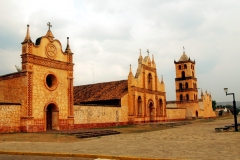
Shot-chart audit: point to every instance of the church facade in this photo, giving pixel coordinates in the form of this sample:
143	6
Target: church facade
41	95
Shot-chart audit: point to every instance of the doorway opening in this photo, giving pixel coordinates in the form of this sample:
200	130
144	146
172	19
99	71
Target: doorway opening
151	112
52	115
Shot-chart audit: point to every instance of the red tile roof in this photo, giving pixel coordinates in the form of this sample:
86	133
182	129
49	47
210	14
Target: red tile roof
100	91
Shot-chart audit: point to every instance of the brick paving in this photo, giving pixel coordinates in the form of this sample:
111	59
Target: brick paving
193	141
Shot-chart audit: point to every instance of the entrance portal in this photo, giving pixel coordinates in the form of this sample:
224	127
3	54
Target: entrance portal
52	117
151	112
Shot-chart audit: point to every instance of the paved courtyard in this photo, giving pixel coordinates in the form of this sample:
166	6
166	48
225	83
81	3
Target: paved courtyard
193	141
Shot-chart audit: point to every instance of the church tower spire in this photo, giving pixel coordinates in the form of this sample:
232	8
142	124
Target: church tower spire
27	38
153	62
68	50
162	82
130	74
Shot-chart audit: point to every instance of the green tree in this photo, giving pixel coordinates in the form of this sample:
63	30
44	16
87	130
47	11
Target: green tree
214	104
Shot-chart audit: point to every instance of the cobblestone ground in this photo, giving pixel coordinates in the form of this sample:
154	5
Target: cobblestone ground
193	141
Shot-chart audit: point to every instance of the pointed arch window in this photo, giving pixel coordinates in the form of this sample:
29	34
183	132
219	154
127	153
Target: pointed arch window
183	74
149	81
187	97
139	111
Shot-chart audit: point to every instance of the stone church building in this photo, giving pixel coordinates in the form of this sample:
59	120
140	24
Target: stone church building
41	95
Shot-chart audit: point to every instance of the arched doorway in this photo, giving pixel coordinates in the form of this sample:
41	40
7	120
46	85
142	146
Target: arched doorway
151	112
52	116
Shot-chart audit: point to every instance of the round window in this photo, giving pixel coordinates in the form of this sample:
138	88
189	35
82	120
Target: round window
51	81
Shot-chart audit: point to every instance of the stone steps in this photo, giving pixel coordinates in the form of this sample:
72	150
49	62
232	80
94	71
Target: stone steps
90	134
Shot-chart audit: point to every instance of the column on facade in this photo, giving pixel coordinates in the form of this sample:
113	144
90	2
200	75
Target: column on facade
145	106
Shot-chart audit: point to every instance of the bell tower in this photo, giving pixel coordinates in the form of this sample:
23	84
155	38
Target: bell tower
186	82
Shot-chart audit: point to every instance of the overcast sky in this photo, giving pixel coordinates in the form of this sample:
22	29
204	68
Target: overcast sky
105	37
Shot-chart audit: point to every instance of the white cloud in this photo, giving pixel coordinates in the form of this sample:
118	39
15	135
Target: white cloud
106	36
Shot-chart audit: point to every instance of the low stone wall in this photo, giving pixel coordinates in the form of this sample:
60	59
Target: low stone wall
10	117
176	114
99	116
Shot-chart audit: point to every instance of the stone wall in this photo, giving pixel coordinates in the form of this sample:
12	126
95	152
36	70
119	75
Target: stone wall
42	96
99	116
176	114
10	117
13	89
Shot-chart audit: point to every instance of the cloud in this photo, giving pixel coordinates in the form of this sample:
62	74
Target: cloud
106	36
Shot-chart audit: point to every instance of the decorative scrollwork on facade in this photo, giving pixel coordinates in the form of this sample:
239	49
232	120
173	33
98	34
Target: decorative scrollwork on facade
30	48
46	62
29	102
70	95
143	90
149	68
51	51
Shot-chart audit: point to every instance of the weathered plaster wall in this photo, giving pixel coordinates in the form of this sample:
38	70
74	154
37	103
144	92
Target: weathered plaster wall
101	114
176	114
206	104
171	104
10	117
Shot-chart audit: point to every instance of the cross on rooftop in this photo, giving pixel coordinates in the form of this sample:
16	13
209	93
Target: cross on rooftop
49	25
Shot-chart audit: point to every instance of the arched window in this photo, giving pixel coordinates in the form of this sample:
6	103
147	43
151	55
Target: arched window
180	86
185	66
179	67
187	97
186	85
160	107
181	97
150	81
183	74
193	74
139	111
